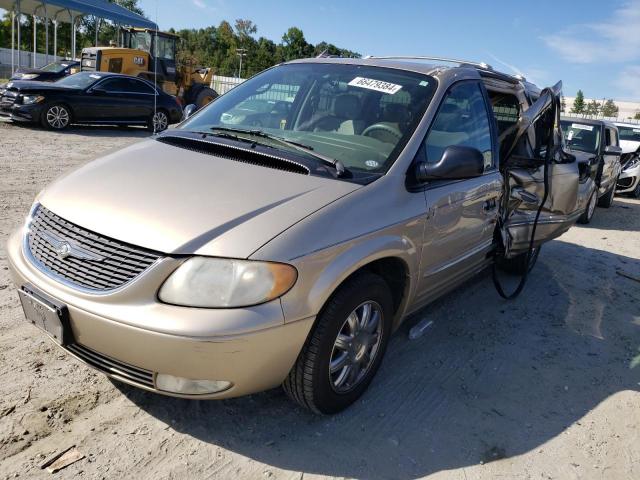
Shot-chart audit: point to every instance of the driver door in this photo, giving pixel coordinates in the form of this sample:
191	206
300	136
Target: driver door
541	179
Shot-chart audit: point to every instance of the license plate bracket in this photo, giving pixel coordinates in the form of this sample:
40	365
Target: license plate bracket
46	313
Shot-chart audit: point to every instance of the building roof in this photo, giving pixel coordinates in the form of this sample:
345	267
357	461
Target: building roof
63	10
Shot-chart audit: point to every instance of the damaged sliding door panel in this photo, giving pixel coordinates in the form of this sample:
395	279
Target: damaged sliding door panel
537	146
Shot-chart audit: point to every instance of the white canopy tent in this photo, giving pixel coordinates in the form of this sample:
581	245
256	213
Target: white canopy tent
67	11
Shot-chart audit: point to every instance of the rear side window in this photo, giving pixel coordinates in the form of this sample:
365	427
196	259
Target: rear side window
114	85
462	119
506	110
136	86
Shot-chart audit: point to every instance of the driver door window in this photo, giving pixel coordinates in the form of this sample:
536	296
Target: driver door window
462	120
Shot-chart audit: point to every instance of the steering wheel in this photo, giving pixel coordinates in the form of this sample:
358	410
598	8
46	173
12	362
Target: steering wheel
382	127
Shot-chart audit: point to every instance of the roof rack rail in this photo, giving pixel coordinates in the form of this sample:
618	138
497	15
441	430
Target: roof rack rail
482	65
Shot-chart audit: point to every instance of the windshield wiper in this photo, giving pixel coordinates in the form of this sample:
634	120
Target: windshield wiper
308	149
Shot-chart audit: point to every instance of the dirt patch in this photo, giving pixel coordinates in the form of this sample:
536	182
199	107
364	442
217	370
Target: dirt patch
546	386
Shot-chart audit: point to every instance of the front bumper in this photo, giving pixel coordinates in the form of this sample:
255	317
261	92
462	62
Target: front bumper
253	348
628	180
22	113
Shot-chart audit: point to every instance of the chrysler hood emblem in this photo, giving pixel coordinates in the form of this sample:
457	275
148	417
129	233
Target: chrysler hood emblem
67	248
64	250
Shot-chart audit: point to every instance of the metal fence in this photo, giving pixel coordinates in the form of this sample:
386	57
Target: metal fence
223	84
26	59
598	117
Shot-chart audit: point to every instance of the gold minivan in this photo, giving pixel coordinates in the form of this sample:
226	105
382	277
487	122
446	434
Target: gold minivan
282	233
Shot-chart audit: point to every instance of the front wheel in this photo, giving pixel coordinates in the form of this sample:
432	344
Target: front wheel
636	191
205	96
56	117
345	347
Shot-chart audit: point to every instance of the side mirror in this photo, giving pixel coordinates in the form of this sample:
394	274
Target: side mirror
189	110
98	91
613	150
457	162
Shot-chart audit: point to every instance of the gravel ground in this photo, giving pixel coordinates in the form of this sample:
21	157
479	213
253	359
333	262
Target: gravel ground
540	387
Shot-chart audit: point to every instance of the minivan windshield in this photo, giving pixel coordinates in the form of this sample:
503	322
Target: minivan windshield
581	136
361	116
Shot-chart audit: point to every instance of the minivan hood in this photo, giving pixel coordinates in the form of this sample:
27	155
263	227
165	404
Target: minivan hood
174	200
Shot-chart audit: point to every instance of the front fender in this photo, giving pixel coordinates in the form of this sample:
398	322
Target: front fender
321	273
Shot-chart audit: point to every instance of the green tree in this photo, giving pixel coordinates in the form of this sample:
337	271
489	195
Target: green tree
592	108
610	109
636	116
295	45
578	103
216	47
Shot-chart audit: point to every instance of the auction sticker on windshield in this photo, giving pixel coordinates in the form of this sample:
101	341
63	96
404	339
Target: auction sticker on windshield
377	85
580	126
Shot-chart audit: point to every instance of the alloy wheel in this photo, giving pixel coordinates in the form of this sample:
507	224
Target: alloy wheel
58	117
356	346
160	121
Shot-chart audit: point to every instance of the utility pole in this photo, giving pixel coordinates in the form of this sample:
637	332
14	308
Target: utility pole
241	52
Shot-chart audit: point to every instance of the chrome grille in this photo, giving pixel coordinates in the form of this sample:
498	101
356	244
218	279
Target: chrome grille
7	99
112	366
105	264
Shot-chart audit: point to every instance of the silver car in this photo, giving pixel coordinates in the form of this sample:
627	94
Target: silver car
629	181
285	245
595	143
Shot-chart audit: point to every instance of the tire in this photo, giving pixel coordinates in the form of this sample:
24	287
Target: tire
310	382
158	122
606	200
586	217
56	116
205	96
636	191
518	265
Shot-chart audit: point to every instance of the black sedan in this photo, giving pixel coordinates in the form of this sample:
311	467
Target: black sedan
49	73
90	98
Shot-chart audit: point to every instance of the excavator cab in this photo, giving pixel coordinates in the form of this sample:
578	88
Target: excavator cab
160	46
152	55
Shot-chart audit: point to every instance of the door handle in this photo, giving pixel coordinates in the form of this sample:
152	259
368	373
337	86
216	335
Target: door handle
521	194
489	205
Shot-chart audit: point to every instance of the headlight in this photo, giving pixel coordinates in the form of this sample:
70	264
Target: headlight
632	163
29	76
226	283
30	99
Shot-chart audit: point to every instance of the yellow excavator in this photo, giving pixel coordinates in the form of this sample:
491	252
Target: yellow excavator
152	55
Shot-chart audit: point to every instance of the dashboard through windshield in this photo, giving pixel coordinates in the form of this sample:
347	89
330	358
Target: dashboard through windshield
362	116
581	136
